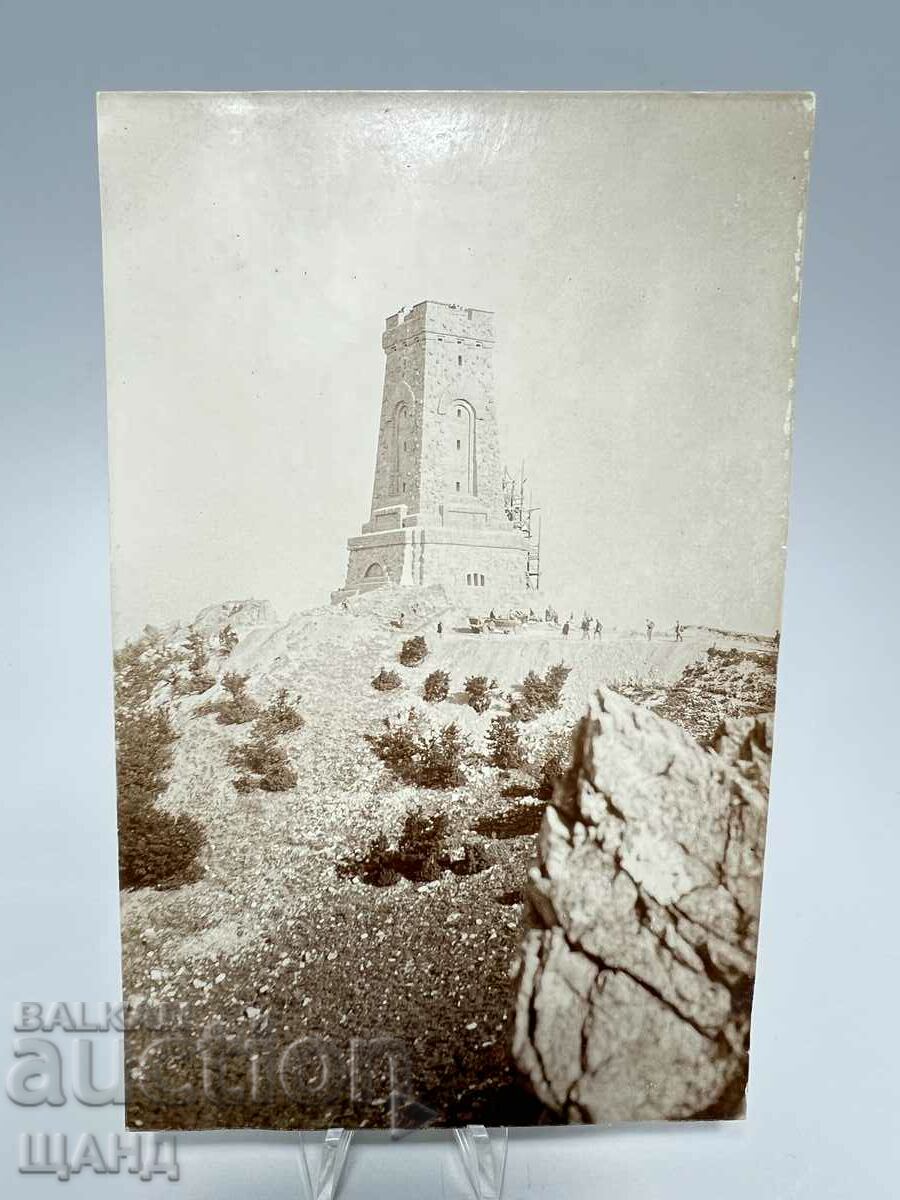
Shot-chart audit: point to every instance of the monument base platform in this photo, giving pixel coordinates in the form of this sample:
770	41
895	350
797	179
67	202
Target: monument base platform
474	562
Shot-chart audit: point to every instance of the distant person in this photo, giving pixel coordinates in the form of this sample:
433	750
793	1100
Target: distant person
679	630
440	629
777	638
598	630
493	616
585	628
650	628
565	629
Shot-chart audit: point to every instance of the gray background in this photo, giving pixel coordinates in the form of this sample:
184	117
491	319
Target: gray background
823	1090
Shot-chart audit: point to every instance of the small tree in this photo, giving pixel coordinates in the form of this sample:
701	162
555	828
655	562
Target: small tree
539	693
420	845
554	763
475	858
479	692
436	687
228	639
264	764
376	865
505	745
419	856
198	655
239	707
418	755
280	716
555	680
235	684
156	848
140	666
413	651
199	679
386	681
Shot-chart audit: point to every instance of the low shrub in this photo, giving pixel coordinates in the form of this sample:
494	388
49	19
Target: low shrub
475	858
521	820
506	751
374	866
420	846
144	743
386	681
436	687
479	692
238	708
413	651
554	763
539	693
197	651
280	716
418	857
199	679
228	639
416	754
156	848
264	765
196	683
140	666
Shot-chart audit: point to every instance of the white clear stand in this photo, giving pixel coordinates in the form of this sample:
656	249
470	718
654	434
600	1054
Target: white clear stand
484	1158
324	1181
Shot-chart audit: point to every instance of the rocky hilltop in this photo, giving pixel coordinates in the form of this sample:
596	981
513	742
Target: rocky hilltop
335	896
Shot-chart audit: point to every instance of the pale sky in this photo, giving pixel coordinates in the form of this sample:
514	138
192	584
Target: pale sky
640	251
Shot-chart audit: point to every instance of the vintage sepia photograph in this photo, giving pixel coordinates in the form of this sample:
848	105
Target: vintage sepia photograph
449	448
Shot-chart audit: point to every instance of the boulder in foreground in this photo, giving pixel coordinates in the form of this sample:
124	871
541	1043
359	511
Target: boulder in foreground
637	969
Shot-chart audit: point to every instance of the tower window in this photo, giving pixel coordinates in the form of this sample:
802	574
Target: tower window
469	580
459	412
404	487
457	485
481	580
458	444
459	360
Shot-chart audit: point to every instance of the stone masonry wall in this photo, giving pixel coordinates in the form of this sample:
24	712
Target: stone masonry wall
438	467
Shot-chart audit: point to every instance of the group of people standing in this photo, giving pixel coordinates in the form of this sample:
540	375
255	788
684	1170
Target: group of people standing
591	627
679	631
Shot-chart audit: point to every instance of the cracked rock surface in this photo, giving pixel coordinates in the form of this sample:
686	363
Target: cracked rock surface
637	968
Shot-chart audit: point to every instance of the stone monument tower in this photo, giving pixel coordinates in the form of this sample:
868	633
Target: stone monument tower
438	511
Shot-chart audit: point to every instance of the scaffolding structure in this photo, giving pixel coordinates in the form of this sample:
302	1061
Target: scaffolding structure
521	517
